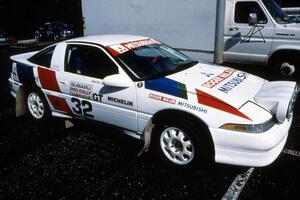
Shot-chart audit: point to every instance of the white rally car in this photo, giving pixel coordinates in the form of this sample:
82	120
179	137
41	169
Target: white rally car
188	110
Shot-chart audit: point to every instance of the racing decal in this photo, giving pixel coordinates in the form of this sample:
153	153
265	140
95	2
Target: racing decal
81	90
97	97
120	101
118	49
82	107
218	79
48	79
59	104
192	107
211	101
25	74
227	87
161	98
167	86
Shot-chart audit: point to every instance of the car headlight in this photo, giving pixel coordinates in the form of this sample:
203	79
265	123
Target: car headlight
250	128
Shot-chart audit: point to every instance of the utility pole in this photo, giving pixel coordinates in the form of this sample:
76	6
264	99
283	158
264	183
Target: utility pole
219	32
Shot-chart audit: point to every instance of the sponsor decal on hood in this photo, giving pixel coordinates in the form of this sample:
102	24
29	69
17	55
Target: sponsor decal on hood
167	86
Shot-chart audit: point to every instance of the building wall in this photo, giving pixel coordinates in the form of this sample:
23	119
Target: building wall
186	24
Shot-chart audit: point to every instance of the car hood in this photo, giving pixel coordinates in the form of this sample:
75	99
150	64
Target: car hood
231	86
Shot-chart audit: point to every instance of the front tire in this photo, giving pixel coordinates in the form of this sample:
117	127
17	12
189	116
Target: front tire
285	65
37	106
180	143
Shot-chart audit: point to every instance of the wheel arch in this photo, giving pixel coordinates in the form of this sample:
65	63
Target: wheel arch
160	115
281	52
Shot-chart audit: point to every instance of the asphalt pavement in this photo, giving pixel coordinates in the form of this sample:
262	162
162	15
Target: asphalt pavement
89	161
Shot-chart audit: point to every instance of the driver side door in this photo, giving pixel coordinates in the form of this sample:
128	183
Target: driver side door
81	84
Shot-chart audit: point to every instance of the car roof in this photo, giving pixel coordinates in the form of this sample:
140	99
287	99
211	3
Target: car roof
107	40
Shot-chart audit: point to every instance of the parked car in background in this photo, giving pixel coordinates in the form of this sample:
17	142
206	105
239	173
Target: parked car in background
3	38
54	30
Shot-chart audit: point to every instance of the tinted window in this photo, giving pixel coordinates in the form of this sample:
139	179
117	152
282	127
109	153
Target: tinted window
44	57
243	9
89	61
155	60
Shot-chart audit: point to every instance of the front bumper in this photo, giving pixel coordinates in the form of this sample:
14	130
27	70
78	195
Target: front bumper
248	149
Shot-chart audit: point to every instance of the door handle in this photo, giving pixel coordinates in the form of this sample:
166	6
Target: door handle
63	83
233	29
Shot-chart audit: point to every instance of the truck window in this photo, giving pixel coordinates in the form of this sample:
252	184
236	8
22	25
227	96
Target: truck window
88	61
243	9
43	57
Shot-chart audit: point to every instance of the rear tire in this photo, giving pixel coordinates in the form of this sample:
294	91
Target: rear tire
37	106
180	143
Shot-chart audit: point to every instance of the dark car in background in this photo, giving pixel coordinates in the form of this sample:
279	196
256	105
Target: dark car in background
4	41
54	30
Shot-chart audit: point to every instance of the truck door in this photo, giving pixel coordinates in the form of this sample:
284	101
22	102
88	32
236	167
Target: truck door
245	42
85	66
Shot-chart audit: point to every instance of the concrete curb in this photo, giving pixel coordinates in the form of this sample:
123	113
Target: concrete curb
29	41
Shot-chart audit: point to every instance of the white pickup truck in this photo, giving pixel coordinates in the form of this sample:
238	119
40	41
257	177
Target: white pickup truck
189	111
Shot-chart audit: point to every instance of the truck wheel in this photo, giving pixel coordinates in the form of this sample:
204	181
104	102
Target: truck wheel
37	106
286	67
179	143
37	36
55	37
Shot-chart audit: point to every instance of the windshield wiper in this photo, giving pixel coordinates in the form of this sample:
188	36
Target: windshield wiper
181	66
188	63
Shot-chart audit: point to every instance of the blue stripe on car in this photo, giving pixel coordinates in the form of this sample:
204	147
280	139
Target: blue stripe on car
167	86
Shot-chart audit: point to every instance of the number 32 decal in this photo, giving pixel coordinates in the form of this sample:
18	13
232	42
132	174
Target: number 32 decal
82	107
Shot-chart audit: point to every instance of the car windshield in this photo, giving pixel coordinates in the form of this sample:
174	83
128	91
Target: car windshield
154	61
278	14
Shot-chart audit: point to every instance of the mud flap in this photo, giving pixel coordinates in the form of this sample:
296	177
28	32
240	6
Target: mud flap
68	124
20	103
147	137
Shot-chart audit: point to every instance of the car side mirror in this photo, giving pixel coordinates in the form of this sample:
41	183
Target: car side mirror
117	80
252	19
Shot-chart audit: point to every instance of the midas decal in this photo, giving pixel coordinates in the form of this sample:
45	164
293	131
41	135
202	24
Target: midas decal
213	102
167	86
118	49
161	98
227	87
218	79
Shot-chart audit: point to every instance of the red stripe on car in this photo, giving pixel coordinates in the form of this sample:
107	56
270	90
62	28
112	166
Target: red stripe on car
48	79
59	104
211	101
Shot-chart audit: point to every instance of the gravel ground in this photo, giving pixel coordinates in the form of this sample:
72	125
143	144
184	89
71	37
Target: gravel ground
89	161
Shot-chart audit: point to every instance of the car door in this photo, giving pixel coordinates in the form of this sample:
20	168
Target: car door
81	83
244	42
